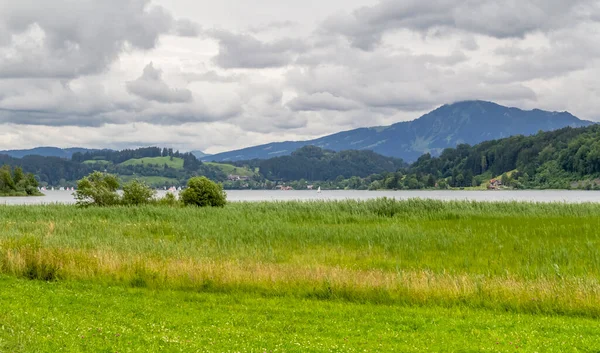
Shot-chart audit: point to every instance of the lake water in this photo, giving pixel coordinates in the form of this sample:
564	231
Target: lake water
66	197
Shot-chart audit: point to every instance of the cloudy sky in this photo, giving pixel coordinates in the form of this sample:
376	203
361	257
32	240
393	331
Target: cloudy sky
217	76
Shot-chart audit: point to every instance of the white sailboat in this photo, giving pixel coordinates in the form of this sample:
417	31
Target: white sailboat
319	190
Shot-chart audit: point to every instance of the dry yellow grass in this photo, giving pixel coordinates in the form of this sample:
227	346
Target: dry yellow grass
575	295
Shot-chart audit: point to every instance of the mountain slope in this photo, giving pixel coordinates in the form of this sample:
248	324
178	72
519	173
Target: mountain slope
448	126
200	154
557	159
46	152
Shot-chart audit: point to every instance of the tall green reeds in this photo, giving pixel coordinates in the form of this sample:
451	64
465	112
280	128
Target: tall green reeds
518	256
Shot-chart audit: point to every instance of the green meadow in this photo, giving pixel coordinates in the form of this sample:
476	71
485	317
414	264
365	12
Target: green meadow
231	169
176	163
344	276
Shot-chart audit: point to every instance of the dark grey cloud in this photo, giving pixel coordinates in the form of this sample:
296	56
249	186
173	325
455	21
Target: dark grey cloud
67	39
152	87
365	26
246	51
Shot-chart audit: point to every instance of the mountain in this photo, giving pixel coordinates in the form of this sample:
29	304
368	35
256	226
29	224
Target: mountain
200	154
46	152
467	122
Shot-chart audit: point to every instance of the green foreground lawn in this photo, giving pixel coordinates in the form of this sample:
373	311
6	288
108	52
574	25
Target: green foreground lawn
36	316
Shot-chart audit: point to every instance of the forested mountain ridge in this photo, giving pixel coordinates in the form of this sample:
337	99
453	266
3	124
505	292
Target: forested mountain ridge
313	163
46	152
469	122
561	159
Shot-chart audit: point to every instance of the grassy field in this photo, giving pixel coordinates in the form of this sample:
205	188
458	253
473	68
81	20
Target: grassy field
176	163
81	317
97	162
154	181
295	277
231	169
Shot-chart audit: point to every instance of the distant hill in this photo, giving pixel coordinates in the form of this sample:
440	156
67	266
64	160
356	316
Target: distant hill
468	122
316	164
159	167
46	152
200	154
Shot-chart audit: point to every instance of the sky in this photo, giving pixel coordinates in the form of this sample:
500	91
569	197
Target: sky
217	76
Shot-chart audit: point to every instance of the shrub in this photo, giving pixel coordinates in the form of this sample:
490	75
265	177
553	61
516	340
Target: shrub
137	193
97	189
168	200
202	192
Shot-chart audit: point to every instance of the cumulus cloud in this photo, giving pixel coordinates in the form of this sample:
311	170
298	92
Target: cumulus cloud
68	75
67	39
365	26
246	51
152	87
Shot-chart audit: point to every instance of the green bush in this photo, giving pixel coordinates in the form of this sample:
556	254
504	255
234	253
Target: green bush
97	189
168	200
137	193
202	192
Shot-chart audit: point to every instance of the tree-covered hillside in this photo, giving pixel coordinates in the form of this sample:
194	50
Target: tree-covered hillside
314	163
566	158
158	167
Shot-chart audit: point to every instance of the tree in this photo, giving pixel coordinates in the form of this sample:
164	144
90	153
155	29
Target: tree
505	179
31	185
6	181
484	163
202	192
443	184
97	189
18	175
431	181
137	193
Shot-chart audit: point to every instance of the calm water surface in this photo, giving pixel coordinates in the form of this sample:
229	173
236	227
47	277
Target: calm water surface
66	197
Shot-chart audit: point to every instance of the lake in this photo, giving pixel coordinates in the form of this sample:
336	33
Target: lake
569	196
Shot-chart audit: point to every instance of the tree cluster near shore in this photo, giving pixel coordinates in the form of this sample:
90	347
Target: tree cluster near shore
100	189
13	182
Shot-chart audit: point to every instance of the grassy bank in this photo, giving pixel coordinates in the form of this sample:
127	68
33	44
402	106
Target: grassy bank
522	258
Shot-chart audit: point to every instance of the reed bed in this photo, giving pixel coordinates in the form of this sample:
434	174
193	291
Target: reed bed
520	257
